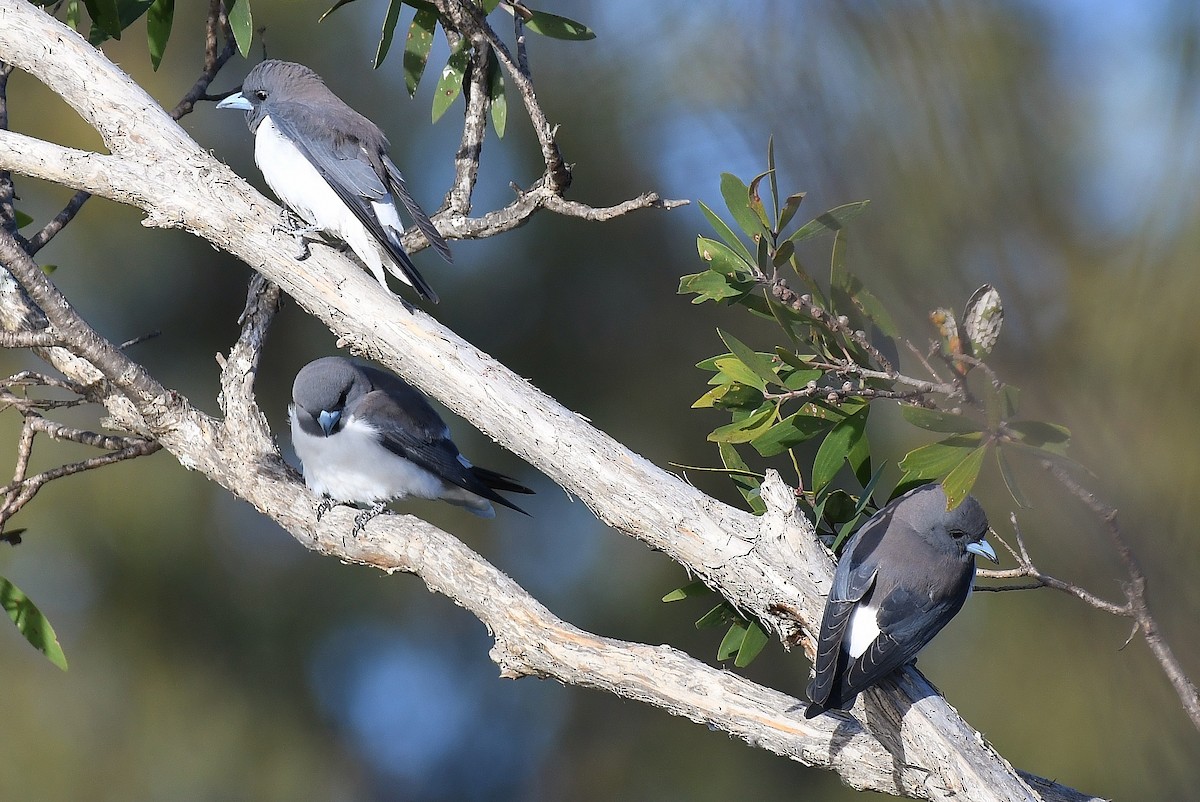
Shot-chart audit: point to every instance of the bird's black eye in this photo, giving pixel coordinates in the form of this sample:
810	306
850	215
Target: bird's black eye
957	534
260	94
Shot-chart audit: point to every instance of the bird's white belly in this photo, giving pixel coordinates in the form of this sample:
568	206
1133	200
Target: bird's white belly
861	630
352	466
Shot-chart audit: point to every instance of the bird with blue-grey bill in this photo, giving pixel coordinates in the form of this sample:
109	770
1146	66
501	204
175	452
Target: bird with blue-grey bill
329	164
900	579
365	436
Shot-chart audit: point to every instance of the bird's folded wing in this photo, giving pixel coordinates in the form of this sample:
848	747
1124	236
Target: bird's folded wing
345	167
422	221
907	622
849	587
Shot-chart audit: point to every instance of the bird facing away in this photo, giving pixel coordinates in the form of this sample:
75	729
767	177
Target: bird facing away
900	579
329	164
364	436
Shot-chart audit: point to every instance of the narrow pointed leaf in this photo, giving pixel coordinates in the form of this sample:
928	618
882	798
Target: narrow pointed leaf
31	623
1047	436
746	429
717	616
752	644
762	364
746	483
737	370
105	16
726	233
788	433
416	48
496	97
390	20
707	286
722	259
1010	480
833	220
241	20
756	204
333	8
958	482
935	460
557	27
934	421
450	82
737	199
773	178
791	205
732	641
159	19
21	218
836	448
697	588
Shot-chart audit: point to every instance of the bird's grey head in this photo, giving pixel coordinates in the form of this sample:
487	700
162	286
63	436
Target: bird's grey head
322	391
273	82
962	529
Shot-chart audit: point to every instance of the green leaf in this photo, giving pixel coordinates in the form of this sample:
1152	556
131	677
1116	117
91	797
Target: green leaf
836	448
717	616
21	218
800	379
496	98
732	641
1010	480
416	48
859	457
73	15
105	16
752	644
386	35
737	199
708	286
557	27
1001	404
722	259
746	483
1046	436
833	220
333	8
756	204
934	421
450	84
697	588
241	20
159	18
958	482
128	12
737	370
762	364
791	205
726	233
31	623
936	460
746	429
788	433
773	178
731	395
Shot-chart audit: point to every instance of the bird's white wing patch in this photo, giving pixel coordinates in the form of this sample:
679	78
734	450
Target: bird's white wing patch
861	630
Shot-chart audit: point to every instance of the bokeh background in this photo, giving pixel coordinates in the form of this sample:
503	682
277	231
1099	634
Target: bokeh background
1046	146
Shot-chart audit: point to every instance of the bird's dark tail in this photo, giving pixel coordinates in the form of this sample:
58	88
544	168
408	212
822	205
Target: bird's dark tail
497	481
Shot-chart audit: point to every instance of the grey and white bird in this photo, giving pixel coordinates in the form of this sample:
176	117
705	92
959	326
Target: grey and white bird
900	579
364	436
329	164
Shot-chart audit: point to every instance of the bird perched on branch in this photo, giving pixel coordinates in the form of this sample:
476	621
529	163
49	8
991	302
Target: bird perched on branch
329	165
900	579
365	436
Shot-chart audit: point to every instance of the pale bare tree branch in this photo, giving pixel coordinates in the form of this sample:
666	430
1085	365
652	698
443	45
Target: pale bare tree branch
902	738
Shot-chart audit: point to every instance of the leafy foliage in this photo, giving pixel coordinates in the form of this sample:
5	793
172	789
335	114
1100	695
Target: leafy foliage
419	42
837	355
31	623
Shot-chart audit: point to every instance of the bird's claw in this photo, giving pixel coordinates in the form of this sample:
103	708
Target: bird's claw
364	517
325	506
301	233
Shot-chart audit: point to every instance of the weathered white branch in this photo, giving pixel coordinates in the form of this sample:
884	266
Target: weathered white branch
764	566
